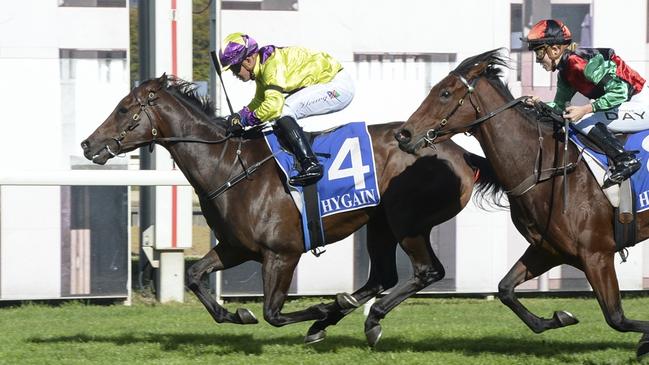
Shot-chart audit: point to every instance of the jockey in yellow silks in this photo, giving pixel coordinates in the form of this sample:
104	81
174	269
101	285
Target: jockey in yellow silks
291	83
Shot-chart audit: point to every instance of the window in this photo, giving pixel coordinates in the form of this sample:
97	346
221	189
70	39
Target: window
93	3
284	5
101	65
89	78
577	18
516	27
389	86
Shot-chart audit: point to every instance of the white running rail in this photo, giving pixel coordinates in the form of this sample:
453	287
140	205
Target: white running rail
93	177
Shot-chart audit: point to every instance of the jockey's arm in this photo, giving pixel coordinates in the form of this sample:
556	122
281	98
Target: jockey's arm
564	95
603	74
271	106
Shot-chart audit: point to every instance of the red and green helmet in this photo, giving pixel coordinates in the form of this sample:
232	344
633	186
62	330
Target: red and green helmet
235	48
548	32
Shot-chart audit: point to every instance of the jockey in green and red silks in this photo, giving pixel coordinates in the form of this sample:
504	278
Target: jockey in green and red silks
618	94
579	69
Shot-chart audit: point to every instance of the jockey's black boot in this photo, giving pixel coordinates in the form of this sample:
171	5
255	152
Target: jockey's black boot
624	162
311	169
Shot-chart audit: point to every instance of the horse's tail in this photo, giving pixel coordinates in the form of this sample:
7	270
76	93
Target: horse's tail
487	187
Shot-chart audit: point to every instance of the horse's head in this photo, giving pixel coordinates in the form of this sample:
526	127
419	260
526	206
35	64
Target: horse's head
129	126
450	106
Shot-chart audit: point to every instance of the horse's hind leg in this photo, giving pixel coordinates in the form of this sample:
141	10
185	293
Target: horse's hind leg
600	272
427	270
381	247
534	262
277	272
219	258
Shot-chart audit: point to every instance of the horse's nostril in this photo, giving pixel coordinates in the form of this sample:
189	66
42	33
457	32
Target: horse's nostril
84	145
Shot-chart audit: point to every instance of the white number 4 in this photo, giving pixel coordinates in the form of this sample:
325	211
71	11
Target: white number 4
351	147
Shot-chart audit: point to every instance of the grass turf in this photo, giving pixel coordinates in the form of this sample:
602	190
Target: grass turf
419	331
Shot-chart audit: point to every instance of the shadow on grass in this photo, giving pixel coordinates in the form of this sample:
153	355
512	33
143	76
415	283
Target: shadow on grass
249	344
501	345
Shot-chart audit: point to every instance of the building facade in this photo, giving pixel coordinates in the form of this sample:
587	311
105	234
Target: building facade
68	63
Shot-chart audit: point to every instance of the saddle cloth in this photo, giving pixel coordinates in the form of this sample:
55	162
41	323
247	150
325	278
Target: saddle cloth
598	164
349	179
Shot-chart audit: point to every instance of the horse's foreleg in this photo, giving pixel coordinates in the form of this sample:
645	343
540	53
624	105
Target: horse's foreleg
277	271
219	258
600	272
534	262
427	270
381	247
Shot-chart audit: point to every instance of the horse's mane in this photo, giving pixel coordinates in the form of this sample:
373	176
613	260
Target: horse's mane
493	63
188	91
491	190
491	58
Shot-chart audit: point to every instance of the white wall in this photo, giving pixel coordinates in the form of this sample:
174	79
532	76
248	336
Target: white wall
32	31
31	34
465	28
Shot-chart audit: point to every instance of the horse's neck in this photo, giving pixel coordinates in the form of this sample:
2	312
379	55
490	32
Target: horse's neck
512	144
204	165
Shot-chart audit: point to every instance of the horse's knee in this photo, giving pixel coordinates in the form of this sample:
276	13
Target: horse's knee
617	321
505	293
429	275
193	277
376	312
389	281
273	318
436	274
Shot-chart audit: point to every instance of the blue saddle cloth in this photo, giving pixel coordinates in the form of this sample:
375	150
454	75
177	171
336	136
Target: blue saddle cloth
349	180
640	180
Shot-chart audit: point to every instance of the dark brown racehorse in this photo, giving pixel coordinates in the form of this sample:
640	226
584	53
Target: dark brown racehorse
473	98
256	218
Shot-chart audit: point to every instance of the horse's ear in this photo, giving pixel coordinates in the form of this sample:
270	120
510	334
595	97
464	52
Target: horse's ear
477	70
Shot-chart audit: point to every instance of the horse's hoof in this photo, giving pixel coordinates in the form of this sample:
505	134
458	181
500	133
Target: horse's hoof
347	301
565	318
246	316
315	337
373	335
642	351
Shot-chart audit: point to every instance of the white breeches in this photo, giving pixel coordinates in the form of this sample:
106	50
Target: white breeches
321	98
630	116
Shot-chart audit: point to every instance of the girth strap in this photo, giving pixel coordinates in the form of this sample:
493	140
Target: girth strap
540	175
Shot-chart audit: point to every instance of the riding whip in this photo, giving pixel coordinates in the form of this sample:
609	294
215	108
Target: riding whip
217	67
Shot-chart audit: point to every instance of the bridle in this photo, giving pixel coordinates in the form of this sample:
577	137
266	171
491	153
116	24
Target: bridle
539	174
134	122
147	106
432	134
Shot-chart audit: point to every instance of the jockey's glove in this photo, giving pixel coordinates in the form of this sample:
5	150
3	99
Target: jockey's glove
235	128
248	117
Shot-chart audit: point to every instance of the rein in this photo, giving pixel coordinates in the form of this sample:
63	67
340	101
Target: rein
432	134
135	122
539	174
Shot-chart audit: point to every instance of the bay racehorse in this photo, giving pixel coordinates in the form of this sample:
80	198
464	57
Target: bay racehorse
527	156
256	219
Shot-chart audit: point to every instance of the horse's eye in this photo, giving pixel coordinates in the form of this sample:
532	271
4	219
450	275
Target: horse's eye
445	94
122	110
